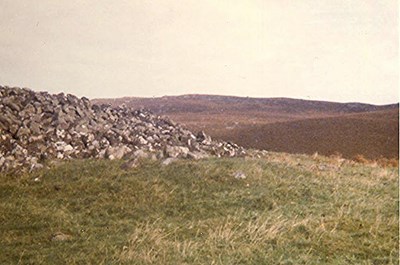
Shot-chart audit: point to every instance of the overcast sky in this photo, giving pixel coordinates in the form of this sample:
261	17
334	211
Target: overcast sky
336	50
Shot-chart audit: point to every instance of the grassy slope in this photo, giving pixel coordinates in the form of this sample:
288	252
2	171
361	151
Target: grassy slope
289	210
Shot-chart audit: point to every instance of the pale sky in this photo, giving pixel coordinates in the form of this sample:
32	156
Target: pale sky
335	50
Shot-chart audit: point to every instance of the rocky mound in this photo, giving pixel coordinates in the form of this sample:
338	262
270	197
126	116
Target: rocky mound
35	127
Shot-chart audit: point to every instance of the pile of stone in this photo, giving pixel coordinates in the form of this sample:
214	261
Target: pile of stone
38	126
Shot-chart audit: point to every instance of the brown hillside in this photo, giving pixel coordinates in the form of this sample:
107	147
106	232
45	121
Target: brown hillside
371	134
218	104
284	125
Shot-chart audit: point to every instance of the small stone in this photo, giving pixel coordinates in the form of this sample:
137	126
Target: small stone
168	161
117	152
133	163
176	151
60	237
197	155
35	166
239	175
140	154
142	141
68	148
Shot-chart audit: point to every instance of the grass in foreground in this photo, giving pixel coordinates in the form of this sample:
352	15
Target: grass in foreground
289	210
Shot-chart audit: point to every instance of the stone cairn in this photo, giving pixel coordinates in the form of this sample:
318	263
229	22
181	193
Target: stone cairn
36	127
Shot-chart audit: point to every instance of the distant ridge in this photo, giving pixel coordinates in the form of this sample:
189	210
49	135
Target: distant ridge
283	124
210	102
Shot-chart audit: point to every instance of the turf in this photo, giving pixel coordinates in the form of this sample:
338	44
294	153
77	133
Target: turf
290	209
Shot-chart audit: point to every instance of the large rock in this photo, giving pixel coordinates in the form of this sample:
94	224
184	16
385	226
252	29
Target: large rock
176	151
117	152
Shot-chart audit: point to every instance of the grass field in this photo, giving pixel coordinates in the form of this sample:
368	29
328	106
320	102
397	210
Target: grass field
290	209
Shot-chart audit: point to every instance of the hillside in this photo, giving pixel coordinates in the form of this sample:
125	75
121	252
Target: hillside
373	135
279	209
283	125
215	103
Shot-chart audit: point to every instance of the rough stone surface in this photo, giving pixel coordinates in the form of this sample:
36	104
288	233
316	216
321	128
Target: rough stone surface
38	126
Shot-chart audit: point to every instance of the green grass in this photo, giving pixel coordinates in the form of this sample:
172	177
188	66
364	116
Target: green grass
289	210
